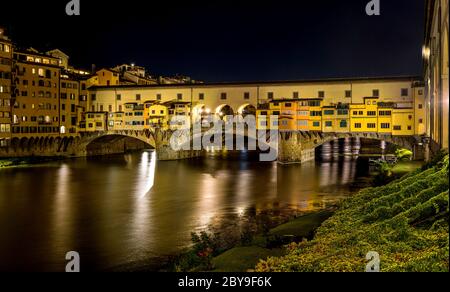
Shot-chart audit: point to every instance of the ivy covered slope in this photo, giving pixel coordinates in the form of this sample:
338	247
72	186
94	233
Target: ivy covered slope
406	222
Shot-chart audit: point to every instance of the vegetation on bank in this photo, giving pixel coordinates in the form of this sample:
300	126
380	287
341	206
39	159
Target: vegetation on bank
26	161
240	249
405	221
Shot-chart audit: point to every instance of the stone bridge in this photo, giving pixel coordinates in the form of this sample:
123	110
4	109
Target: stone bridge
292	147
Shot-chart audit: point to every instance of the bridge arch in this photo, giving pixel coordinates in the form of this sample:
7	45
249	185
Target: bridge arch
247	109
224	110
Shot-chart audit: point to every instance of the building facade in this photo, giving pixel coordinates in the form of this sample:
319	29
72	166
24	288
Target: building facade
6	51
377	105
436	70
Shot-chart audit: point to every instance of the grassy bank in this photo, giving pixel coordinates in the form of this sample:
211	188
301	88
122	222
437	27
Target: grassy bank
406	222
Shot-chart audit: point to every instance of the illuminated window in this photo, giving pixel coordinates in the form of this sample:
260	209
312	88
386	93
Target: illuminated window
41	72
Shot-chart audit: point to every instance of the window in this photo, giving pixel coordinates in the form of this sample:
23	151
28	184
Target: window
328	112
420	121
296	95
110	108
138	97
385	113
405	92
315	114
371	126
201	96
246	95
342	112
63	107
118	97
397	128
288	104
328	124
180	96
355	113
302	123
361	113
376	93
409	128
316	124
420	92
343	124
321	94
276	113
420	106
357	125
303	113
315	103
371	113
93	97
270	95
223	96
158	97
348	93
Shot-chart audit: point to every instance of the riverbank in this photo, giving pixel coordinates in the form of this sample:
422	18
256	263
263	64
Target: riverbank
27	161
405	222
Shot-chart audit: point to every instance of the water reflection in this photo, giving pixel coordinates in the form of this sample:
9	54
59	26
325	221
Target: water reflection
128	209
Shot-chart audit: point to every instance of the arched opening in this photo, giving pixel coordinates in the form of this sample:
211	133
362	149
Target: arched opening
223	111
116	144
247	109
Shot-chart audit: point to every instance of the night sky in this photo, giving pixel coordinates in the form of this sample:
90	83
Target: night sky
228	40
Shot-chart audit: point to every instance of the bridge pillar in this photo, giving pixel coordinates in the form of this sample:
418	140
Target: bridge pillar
293	147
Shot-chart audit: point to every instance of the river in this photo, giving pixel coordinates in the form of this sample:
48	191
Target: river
129	210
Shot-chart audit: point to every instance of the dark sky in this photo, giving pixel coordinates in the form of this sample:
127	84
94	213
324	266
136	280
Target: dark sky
228	40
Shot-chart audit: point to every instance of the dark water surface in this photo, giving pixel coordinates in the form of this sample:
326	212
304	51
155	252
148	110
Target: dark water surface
129	209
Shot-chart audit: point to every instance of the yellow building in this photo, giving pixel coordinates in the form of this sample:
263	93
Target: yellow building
156	115
104	77
96	122
179	114
133	116
403	122
116	121
364	117
6	53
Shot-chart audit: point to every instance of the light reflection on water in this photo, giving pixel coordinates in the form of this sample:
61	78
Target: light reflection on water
128	209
